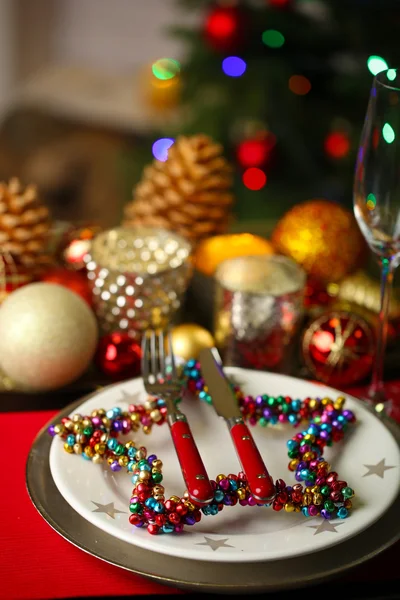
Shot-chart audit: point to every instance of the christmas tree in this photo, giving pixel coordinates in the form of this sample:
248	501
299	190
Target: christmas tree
283	85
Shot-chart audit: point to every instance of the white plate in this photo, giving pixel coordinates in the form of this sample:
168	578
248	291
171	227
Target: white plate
237	534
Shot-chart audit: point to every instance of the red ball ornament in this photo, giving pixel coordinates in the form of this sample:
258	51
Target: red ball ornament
73	280
118	356
338	348
225	28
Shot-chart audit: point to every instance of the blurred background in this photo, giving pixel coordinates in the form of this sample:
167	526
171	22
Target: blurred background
91	91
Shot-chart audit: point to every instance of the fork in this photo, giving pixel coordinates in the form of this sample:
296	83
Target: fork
166	385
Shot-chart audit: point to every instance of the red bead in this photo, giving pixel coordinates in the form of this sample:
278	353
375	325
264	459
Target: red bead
282	497
341	484
161	520
143	496
181	509
277	505
336	487
233	476
337	435
134	519
336	496
170	505
174	518
142	488
153	528
65	420
197	515
234	500
297	496
280	484
332	476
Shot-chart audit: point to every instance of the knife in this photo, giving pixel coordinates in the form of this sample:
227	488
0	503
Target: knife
226	406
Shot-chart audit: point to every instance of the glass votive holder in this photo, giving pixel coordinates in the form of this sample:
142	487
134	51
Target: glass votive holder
138	277
259	307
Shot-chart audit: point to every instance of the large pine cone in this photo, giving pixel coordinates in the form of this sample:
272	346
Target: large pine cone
190	193
24	225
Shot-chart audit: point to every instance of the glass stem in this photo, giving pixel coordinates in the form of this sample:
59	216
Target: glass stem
377	384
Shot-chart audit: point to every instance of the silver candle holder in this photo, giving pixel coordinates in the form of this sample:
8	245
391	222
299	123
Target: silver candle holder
259	304
138	277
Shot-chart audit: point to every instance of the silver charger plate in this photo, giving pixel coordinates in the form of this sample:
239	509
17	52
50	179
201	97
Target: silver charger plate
188	574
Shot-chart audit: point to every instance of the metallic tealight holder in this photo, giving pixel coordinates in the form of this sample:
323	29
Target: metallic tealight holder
259	305
138	277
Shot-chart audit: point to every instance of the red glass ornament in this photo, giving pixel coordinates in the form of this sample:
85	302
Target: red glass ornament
75	245
73	280
337	144
225	28
118	356
316	294
338	348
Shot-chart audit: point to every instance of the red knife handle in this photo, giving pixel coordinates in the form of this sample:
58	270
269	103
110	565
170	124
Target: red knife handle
192	467
260	481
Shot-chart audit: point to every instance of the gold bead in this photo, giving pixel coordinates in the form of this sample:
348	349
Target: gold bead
135	425
101	412
307	490
293	464
155	415
123	461
219	477
86	422
144	475
100	448
289	507
186	495
150	404
338	404
69	425
348	503
309	437
78	428
315	489
326	401
307	499
59	429
140	454
241	493
106	422
308	456
103	438
89	451
78	449
110	460
323	465
175	499
130	444
313	404
97	459
318	499
159	497
190	506
77	418
146	429
135	418
158	489
94	413
297	508
80	438
68	448
157	463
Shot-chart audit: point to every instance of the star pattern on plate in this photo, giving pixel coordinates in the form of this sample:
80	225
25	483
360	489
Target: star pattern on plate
214	544
325	525
378	469
129	398
108	509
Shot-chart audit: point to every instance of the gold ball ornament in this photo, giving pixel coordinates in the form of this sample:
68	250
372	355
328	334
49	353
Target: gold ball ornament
323	237
48	336
189	338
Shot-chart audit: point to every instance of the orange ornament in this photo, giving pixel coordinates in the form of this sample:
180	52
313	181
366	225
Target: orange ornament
323	237
212	251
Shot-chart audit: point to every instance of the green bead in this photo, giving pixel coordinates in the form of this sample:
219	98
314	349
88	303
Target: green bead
329	505
347	492
263	422
135	507
325	491
157	477
88	431
286	408
293	453
119	449
272	401
280	399
142	462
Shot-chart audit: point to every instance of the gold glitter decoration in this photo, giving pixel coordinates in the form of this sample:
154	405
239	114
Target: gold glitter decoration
48	336
138	277
323	237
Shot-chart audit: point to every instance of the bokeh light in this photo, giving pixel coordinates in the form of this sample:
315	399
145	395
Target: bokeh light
254	179
160	148
337	144
273	38
233	66
388	133
391	74
166	68
300	85
376	64
255	152
371	201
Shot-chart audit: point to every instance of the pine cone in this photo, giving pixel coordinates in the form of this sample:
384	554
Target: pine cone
24	225
190	193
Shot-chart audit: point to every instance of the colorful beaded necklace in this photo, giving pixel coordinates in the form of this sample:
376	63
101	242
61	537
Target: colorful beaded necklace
318	491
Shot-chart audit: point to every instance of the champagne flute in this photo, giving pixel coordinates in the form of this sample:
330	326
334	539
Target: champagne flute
376	198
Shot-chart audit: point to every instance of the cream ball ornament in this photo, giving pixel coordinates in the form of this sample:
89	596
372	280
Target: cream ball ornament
48	336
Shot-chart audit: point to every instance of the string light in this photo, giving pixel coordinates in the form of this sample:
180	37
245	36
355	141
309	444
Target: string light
254	179
337	144
273	38
160	148
371	201
300	85
165	68
233	66
376	64
388	133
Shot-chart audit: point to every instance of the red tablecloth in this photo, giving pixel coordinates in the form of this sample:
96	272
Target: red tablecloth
37	563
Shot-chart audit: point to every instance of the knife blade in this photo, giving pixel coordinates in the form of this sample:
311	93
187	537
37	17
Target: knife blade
226	406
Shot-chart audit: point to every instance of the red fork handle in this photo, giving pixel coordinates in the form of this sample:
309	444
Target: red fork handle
260	481
192	467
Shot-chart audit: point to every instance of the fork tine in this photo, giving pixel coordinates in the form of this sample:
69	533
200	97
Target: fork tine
153	356
161	354
171	355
